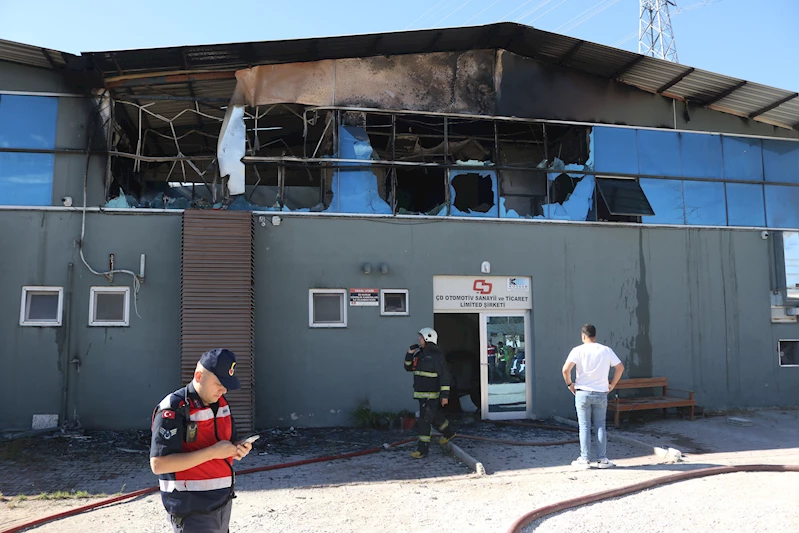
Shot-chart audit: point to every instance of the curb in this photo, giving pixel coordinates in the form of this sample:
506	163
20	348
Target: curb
467	459
656	450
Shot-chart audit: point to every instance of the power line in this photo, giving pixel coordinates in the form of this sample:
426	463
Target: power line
548	10
587	15
425	14
483	11
515	10
452	13
536	8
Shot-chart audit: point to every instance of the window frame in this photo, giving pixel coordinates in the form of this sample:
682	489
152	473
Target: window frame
28	289
94	291
383	311
340	324
779	362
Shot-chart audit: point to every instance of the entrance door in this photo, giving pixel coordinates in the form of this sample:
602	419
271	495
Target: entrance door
506	363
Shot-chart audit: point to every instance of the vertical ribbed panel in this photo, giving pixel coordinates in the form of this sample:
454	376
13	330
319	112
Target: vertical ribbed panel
217	298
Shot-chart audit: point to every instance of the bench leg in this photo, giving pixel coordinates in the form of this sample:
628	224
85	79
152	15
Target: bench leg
617	419
692	413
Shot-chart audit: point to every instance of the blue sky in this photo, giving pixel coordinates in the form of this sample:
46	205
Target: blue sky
740	38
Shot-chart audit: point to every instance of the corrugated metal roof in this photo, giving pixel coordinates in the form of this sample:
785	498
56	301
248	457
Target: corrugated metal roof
33	56
720	92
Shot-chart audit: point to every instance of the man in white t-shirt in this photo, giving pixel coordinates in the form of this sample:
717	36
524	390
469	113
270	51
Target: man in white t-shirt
592	361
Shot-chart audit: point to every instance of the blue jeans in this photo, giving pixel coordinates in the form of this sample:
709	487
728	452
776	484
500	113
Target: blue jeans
592	408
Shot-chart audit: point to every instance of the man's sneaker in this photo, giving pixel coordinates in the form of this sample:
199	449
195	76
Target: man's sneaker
604	463
444	440
418	455
581	463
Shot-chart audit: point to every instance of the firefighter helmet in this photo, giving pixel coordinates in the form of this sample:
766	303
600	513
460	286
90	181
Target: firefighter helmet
429	335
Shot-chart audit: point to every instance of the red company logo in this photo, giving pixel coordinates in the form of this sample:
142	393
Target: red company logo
482	286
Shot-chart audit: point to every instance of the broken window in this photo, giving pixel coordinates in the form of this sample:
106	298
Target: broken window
621	200
570	198
304	188
359	187
781	210
790	246
568	147
470	141
473	193
421	191
745	204
523	193
789	352
27	122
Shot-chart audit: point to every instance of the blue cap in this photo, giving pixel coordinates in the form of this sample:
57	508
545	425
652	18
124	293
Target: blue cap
222	363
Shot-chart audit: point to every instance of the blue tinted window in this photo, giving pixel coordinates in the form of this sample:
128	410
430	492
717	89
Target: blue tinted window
659	153
701	156
704	203
781	160
743	159
26	179
745	205
665	197
615	150
782	206
27	121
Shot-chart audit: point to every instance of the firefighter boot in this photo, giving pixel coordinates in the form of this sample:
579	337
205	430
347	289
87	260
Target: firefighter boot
418	455
443	440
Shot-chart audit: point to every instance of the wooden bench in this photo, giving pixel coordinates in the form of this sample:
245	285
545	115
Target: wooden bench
663	401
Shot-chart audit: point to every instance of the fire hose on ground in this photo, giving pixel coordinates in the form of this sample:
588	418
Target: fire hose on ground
515	528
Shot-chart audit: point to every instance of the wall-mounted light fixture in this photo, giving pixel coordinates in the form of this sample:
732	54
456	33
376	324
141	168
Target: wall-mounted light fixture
366	268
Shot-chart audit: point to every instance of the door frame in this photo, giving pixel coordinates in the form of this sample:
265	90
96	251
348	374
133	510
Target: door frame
529	358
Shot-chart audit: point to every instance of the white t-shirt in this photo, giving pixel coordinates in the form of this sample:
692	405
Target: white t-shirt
593	362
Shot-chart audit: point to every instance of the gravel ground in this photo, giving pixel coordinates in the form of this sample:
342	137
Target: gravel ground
390	492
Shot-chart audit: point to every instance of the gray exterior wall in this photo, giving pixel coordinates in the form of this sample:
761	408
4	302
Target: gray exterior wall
688	304
124	371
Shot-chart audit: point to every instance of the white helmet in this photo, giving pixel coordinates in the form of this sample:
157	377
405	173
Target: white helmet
429	335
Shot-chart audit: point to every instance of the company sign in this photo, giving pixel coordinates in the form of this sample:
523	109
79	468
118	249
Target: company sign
483	293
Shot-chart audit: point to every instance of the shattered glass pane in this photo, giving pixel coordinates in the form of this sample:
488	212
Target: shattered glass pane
473	193
704	203
666	199
743	159
359	189
624	197
577	204
42	306
782	207
790	246
781	160
615	150
109	307
303	189
701	156
523	193
26	179
659	153
745	205
420	191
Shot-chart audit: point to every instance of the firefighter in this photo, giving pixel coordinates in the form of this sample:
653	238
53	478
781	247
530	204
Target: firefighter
431	382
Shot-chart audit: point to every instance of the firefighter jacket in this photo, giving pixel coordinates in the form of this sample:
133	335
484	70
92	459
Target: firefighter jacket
431	378
181	424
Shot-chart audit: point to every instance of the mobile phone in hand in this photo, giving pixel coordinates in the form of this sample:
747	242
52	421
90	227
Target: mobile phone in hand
250	438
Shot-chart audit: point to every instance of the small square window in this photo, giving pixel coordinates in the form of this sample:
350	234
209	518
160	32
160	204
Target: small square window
789	353
41	306
326	308
109	306
394	302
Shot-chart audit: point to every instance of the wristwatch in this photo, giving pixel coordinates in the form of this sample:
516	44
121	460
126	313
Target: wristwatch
569	384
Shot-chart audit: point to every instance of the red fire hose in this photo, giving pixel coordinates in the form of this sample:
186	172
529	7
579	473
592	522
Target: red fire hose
541	512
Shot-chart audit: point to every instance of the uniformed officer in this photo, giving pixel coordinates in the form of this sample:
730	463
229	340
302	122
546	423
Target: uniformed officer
431	385
192	447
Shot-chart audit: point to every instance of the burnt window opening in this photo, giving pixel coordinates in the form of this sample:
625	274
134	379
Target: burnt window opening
523	193
621	200
261	185
473	192
569	144
307	188
279	131
471	140
320	134
379	129
420	190
521	144
420	138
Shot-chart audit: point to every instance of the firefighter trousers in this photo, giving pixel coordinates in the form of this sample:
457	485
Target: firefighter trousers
430	414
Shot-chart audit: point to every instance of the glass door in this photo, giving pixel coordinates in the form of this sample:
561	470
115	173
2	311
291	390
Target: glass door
506	376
